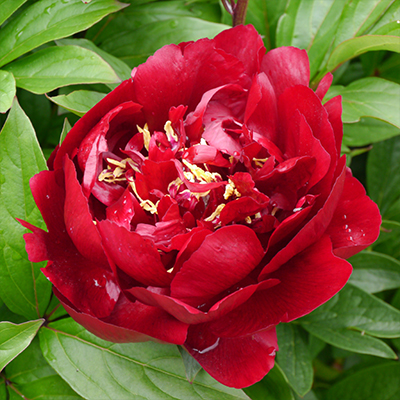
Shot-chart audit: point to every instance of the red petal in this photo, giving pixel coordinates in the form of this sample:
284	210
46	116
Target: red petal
130	323
261	110
324	85
78	220
298	140
313	230
334	109
304	100
245	43
123	210
191	315
136	256
235	362
89	288
122	93
55	245
355	224
307	280
224	258
175	76
286	67
239	209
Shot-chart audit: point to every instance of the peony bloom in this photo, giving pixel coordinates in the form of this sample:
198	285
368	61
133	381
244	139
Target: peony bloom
203	202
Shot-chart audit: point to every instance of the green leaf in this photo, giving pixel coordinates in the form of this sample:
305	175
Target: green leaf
136	16
389	69
54	67
3	390
32	377
354	47
392	14
375	272
367	131
121	69
8	7
66	128
358	16
16	338
48	20
97	369
347	320
294	358
389	239
7	90
264	15
379	382
369	97
383	178
38	110
310	25
192	367
79	102
134	46
274	386
23	287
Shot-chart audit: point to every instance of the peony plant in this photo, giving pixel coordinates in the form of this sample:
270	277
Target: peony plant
203	202
206	225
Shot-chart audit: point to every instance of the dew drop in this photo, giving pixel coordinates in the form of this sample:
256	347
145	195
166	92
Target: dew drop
130	210
350	238
19	34
345	226
348	230
47	196
124	201
344	216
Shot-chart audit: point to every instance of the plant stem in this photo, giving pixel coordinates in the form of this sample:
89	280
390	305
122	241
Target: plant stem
239	13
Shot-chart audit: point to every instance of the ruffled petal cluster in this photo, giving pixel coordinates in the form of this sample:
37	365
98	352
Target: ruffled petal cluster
203	202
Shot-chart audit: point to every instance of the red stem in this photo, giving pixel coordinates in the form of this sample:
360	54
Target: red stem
239	13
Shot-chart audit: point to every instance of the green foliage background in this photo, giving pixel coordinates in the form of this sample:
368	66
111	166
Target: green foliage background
60	57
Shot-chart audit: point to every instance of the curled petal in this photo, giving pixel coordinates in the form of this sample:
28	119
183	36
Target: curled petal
306	282
286	67
78	220
355	224
224	258
136	256
236	362
130	322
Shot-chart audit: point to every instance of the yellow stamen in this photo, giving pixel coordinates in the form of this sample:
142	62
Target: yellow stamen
216	213
230	189
146	135
200	174
260	161
273	212
248	220
169	131
147	205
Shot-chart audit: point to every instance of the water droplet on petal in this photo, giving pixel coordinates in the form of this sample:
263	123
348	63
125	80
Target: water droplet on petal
345	226
344	216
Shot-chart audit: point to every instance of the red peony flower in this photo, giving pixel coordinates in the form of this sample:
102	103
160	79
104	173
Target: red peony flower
203	202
